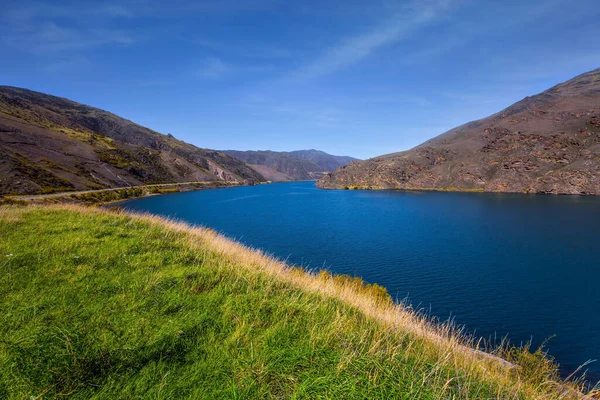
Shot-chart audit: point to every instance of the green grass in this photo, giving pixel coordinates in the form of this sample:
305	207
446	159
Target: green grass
95	304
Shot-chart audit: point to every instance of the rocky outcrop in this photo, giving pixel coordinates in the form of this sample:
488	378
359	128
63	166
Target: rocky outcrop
548	143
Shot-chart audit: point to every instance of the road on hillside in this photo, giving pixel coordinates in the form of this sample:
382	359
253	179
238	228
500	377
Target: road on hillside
62	194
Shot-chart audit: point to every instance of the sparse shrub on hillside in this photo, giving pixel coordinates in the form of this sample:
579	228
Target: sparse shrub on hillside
8	201
163	190
116	158
48	181
535	366
107	196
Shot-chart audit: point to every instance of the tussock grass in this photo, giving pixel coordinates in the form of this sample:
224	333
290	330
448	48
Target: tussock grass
102	304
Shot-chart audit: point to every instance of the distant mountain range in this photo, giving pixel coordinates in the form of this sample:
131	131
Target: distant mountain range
52	144
548	143
293	165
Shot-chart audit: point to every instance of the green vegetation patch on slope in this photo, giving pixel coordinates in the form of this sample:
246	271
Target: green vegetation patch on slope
46	179
97	304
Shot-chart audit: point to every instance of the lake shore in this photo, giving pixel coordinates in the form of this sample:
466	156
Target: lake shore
167	292
471	257
114	196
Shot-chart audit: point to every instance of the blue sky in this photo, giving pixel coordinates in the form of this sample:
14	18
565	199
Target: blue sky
358	78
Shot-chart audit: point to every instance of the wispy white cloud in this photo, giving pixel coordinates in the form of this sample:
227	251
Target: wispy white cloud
318	114
50	37
127	8
213	68
153	83
69	64
322	117
243	49
216	68
39	10
396	98
42	27
352	50
328	117
345	8
463	32
179	8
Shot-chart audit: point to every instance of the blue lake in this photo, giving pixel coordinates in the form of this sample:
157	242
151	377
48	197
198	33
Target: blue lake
526	266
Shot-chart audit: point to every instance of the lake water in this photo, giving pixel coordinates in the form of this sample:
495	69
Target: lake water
526	266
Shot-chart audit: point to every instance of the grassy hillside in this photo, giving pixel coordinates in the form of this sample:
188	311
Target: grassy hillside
95	304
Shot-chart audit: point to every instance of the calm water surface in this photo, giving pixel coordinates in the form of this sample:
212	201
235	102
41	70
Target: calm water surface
525	266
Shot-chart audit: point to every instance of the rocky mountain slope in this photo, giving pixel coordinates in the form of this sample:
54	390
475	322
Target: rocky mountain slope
548	143
50	144
294	165
325	161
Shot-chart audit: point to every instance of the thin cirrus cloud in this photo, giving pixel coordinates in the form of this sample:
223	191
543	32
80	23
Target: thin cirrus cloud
217	68
463	33
38	10
44	28
50	37
70	65
213	68
352	50
397	99
243	49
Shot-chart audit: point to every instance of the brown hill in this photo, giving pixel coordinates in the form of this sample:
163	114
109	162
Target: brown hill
49	144
548	143
271	174
293	165
326	162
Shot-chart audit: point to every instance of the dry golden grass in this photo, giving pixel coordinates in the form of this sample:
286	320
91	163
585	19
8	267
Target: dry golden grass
445	342
403	330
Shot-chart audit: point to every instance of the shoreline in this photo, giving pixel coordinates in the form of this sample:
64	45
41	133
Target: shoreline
448	190
114	196
442	345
